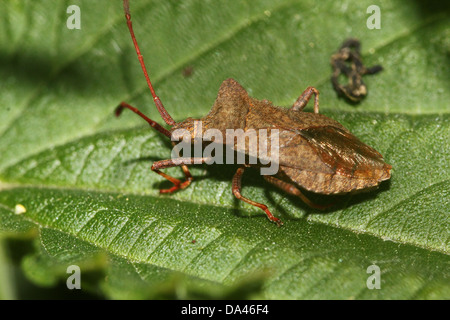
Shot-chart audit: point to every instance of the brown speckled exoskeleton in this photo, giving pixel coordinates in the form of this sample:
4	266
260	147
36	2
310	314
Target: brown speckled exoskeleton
316	153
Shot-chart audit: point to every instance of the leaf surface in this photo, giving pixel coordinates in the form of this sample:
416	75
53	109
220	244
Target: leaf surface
91	199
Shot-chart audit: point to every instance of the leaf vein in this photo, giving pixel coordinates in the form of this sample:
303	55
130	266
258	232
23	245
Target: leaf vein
386	211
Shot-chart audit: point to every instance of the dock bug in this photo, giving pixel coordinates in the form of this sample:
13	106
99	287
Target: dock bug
316	153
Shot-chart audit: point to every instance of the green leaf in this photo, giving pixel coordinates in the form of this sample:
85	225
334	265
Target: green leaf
91	199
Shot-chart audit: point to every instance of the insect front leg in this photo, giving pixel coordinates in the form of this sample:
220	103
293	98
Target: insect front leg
302	101
185	169
177	162
164	131
236	188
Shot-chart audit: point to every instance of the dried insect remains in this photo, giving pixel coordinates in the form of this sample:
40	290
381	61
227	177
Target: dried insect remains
347	61
315	152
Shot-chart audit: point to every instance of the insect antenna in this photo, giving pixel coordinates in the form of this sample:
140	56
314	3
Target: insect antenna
152	123
162	111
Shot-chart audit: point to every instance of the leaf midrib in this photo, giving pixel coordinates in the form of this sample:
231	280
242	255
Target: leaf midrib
319	222
6	186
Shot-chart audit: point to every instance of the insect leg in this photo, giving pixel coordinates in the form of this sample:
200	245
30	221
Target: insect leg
185	169
236	188
155	125
302	101
177	162
291	189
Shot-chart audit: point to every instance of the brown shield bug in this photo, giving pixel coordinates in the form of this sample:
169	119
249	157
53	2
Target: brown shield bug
315	152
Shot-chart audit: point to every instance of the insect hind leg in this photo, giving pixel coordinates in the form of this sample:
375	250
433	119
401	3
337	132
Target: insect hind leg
291	189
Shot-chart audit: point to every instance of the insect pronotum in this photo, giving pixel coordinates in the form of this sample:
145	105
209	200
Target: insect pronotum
316	153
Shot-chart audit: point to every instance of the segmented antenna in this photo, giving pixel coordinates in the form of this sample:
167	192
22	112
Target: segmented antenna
162	111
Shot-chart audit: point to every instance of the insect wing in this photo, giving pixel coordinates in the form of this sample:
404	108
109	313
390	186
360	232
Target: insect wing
345	153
